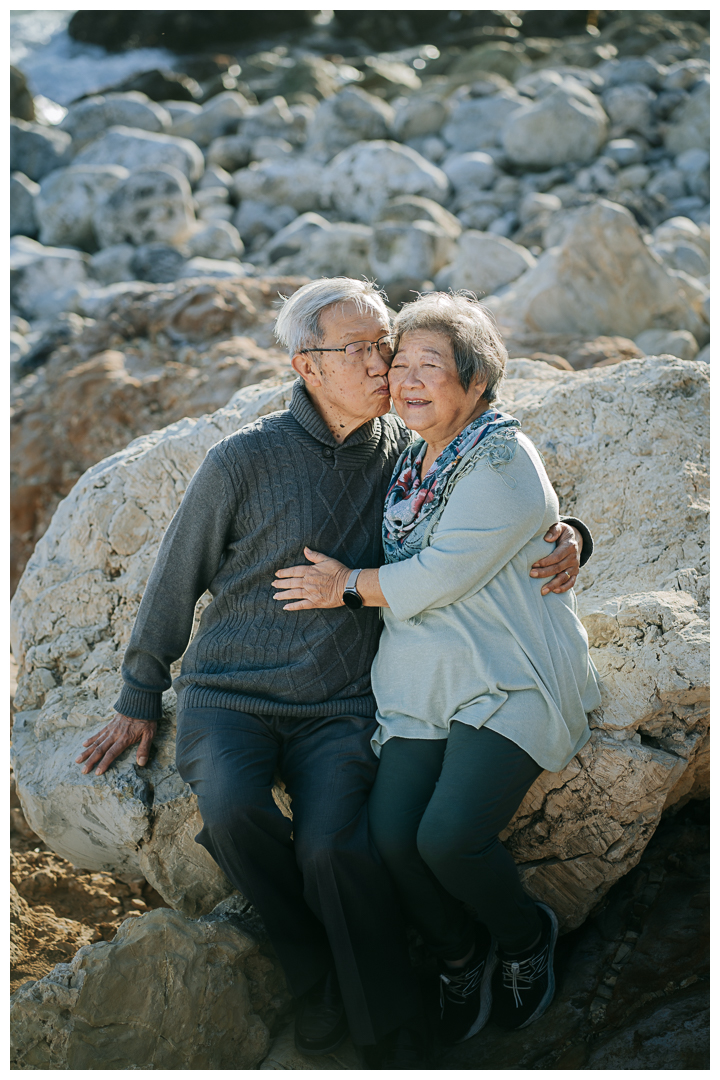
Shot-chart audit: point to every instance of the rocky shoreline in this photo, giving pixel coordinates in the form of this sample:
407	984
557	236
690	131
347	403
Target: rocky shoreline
555	166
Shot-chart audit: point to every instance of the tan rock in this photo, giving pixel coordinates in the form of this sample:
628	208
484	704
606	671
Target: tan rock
191	1009
626	449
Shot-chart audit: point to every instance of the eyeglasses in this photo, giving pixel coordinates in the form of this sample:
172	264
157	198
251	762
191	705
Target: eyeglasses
362	350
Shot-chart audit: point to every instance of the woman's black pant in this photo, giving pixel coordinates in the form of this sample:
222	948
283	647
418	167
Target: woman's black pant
436	810
317	881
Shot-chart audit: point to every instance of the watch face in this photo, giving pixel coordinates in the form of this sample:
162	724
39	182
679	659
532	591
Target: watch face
352	600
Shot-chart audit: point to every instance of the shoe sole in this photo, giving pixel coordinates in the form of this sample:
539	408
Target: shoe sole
325	1049
550	992
485	994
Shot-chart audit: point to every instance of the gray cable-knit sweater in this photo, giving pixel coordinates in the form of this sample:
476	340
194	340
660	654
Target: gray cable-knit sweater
259	497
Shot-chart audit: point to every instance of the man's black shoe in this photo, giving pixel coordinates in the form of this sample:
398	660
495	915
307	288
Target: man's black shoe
320	1021
466	993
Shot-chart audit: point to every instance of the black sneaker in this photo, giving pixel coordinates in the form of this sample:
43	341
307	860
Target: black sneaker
524	985
320	1021
466	993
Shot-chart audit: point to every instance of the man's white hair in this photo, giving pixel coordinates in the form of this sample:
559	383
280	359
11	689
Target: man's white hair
297	327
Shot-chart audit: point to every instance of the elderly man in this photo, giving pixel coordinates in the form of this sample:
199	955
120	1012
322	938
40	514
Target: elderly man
264	690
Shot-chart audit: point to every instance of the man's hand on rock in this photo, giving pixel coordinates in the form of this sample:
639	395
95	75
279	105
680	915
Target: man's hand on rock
563	562
115	737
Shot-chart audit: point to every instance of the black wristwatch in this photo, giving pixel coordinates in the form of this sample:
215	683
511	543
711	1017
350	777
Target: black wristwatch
351	597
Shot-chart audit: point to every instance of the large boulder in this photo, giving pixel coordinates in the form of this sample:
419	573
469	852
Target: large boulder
600	277
134	149
153	355
360	180
198	1004
626	449
152	204
68	199
91	117
568	124
412	250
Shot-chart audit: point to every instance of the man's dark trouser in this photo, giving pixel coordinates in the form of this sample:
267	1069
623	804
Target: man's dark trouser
322	892
435	812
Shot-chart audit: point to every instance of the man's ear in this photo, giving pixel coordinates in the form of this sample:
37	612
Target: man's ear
306	368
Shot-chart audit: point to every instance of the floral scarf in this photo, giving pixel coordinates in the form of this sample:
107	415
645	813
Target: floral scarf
410	500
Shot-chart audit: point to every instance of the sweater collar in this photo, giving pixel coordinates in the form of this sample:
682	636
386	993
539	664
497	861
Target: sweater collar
309	418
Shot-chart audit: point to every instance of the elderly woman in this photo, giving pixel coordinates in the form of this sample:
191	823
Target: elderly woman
481	683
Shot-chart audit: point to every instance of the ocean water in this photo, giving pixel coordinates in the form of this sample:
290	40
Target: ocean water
61	69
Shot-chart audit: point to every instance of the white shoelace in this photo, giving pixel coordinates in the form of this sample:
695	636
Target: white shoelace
458	987
520	975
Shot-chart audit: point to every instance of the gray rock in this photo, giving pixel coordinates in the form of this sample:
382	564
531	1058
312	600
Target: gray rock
157	262
23	192
268	147
209	196
418	116
682	254
36	150
670	183
216	240
349	117
473	171
219	116
632	178
674	228
633	69
411	208
18	346
91	117
281	182
505	225
341	249
504	58
214	177
274	118
685	73
258	220
181	110
704	355
481	212
229	153
537	202
404	251
627	151
668	342
485	262
693	161
216	210
39	276
476	123
564	293
630	108
151	204
192	1008
431	147
360	180
293	238
97	303
136	149
212	268
113	264
538	84
689	126
68	201
568	124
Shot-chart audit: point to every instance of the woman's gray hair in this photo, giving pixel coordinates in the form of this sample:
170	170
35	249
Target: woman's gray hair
477	345
298	325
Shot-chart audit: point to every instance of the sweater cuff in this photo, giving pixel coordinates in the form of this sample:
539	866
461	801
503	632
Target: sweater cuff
588	546
139	704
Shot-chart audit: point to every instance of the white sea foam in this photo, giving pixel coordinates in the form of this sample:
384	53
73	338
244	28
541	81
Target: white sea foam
62	69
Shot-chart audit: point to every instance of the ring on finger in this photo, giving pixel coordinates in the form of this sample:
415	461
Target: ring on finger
567	574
